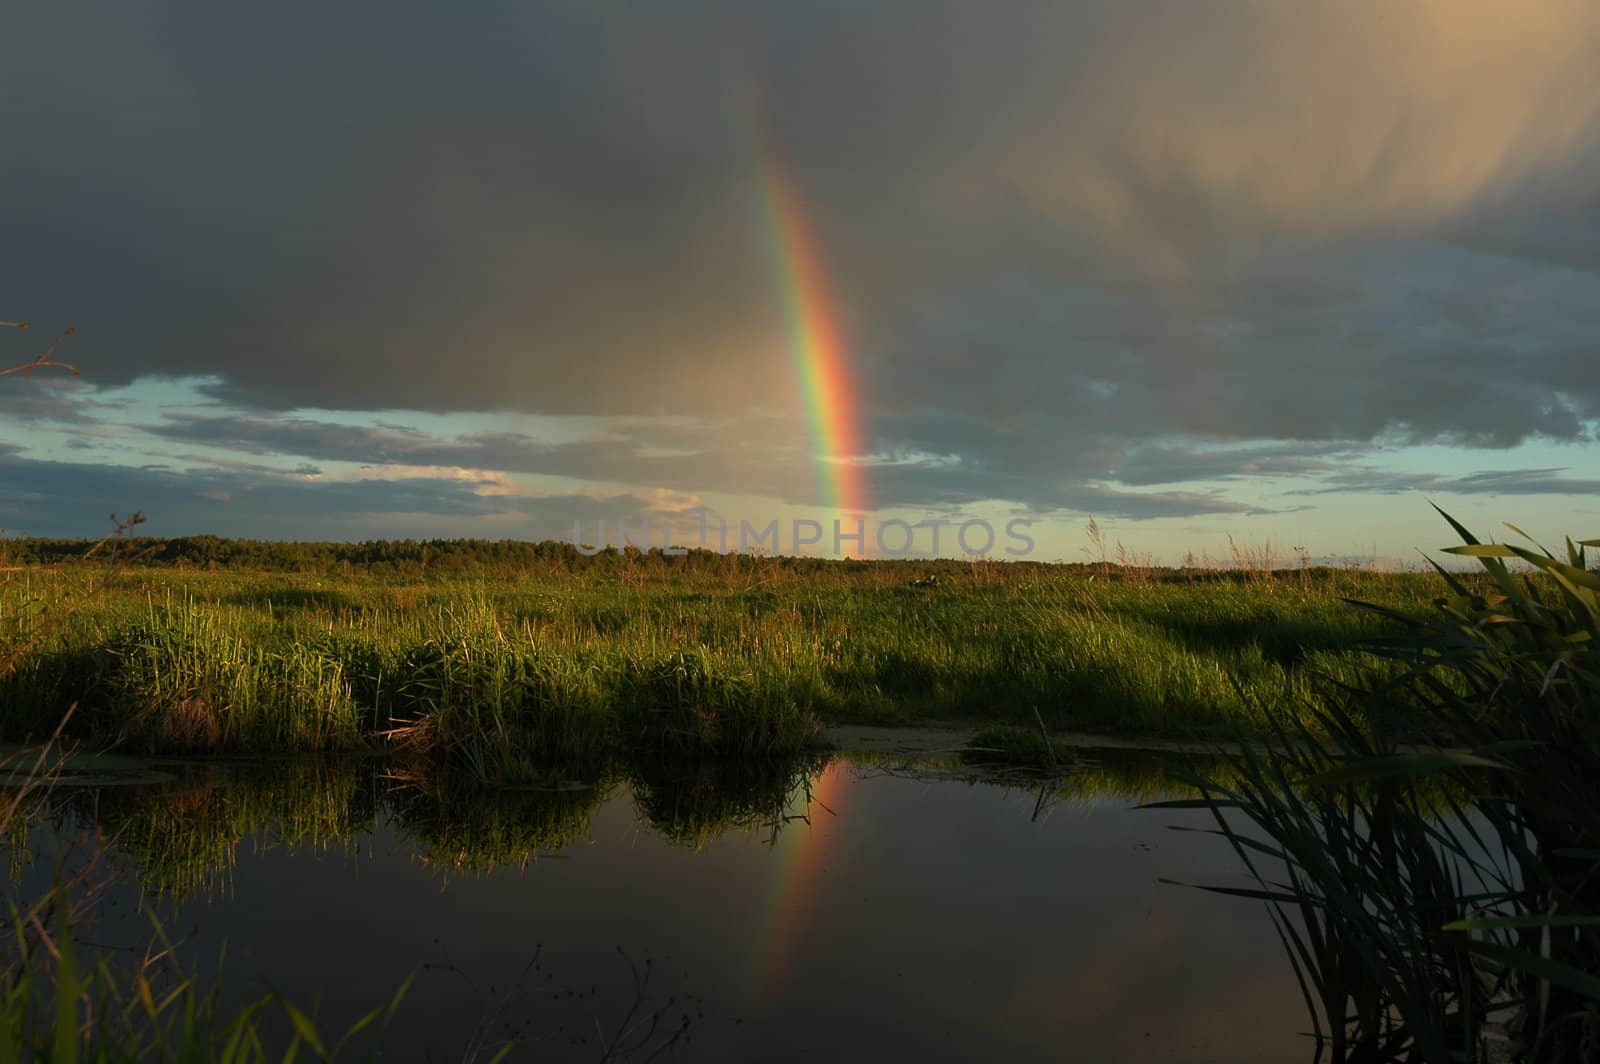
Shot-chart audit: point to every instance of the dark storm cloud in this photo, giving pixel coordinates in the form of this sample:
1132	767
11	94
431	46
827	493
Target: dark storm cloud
1546	481
745	454
1055	232
74	499
1170	465
386	205
1420	344
25	403
948	485
311	438
1111	502
737	456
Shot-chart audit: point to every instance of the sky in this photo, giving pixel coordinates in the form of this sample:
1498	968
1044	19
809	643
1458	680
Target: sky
1276	273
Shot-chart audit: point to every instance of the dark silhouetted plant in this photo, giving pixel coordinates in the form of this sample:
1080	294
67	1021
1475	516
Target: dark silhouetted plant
1429	843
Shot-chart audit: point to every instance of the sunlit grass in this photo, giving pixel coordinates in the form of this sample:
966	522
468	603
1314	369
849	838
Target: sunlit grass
739	660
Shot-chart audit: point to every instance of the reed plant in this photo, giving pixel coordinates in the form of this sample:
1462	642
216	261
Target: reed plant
65	1003
499	704
691	702
1421	926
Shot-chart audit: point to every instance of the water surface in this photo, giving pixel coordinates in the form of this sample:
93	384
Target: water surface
887	916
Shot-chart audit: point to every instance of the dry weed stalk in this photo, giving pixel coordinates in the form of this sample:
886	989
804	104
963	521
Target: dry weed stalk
1097	548
9	656
1258	563
45	359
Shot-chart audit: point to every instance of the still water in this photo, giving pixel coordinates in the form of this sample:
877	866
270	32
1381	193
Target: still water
873	914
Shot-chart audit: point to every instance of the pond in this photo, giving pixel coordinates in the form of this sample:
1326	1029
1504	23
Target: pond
845	908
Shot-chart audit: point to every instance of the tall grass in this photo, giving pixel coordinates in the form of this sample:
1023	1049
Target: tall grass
170	687
671	657
65	1003
1413	928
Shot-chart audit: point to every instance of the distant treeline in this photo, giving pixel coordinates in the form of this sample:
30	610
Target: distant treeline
217	552
413	556
510	556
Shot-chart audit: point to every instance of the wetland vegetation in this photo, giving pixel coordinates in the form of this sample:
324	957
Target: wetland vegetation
1408	787
497	657
1429	843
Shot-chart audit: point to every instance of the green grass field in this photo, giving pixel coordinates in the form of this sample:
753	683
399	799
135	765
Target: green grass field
574	659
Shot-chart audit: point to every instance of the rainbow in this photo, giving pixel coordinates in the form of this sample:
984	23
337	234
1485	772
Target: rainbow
815	338
799	855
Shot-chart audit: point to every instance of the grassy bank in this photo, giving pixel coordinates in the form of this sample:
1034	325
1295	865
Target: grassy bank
575	659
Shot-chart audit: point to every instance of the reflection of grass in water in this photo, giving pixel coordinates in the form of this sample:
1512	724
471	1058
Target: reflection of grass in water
1139	775
476	829
691	803
27	808
1128	774
1018	747
182	837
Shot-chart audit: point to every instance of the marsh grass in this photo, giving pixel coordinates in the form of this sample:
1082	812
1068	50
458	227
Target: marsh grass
691	702
569	659
62	1002
499	704
181	680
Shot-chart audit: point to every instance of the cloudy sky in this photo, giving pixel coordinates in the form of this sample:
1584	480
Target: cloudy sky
1283	272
